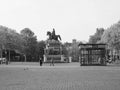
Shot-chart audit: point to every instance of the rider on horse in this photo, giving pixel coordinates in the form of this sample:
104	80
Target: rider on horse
53	35
53	32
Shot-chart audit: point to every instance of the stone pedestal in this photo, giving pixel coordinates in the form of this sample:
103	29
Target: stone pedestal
53	50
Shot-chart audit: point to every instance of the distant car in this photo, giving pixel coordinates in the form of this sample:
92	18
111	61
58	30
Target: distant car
3	60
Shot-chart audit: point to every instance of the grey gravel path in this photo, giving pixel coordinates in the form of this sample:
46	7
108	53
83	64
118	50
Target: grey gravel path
61	77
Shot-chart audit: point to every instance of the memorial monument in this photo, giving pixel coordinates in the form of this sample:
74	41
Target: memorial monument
53	48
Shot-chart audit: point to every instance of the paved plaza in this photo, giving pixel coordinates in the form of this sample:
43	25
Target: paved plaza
69	76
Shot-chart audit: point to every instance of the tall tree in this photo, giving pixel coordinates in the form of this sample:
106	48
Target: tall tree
10	40
30	44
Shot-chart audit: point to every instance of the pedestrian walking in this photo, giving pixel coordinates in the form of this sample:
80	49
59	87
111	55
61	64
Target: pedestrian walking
52	62
41	61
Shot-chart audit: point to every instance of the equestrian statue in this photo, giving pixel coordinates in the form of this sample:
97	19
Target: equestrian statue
53	36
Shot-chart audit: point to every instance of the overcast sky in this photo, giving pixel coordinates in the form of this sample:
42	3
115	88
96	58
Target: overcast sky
72	19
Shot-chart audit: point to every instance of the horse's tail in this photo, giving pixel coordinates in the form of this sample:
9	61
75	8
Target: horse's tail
59	37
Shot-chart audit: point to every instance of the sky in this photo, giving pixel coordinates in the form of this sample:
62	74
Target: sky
72	19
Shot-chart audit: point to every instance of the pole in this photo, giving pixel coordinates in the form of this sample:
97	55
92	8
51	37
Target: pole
9	55
1	51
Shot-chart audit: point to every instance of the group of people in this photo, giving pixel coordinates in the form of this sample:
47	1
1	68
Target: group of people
112	58
51	62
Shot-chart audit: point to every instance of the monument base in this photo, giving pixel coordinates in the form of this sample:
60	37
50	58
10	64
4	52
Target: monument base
56	58
53	51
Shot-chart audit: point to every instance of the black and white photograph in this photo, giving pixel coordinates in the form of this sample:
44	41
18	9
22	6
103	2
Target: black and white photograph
59	44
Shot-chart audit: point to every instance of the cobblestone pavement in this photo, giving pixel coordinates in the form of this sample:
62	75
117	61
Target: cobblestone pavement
61	77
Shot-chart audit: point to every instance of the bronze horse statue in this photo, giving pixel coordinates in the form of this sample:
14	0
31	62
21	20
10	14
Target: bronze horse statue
53	36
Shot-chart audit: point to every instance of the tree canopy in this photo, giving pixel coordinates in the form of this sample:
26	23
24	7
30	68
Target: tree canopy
111	36
24	42
97	36
10	39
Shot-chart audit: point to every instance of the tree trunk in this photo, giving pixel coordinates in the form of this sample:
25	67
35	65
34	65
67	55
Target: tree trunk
25	57
9	55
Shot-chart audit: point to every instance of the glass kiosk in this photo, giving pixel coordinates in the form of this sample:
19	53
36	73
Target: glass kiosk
92	54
